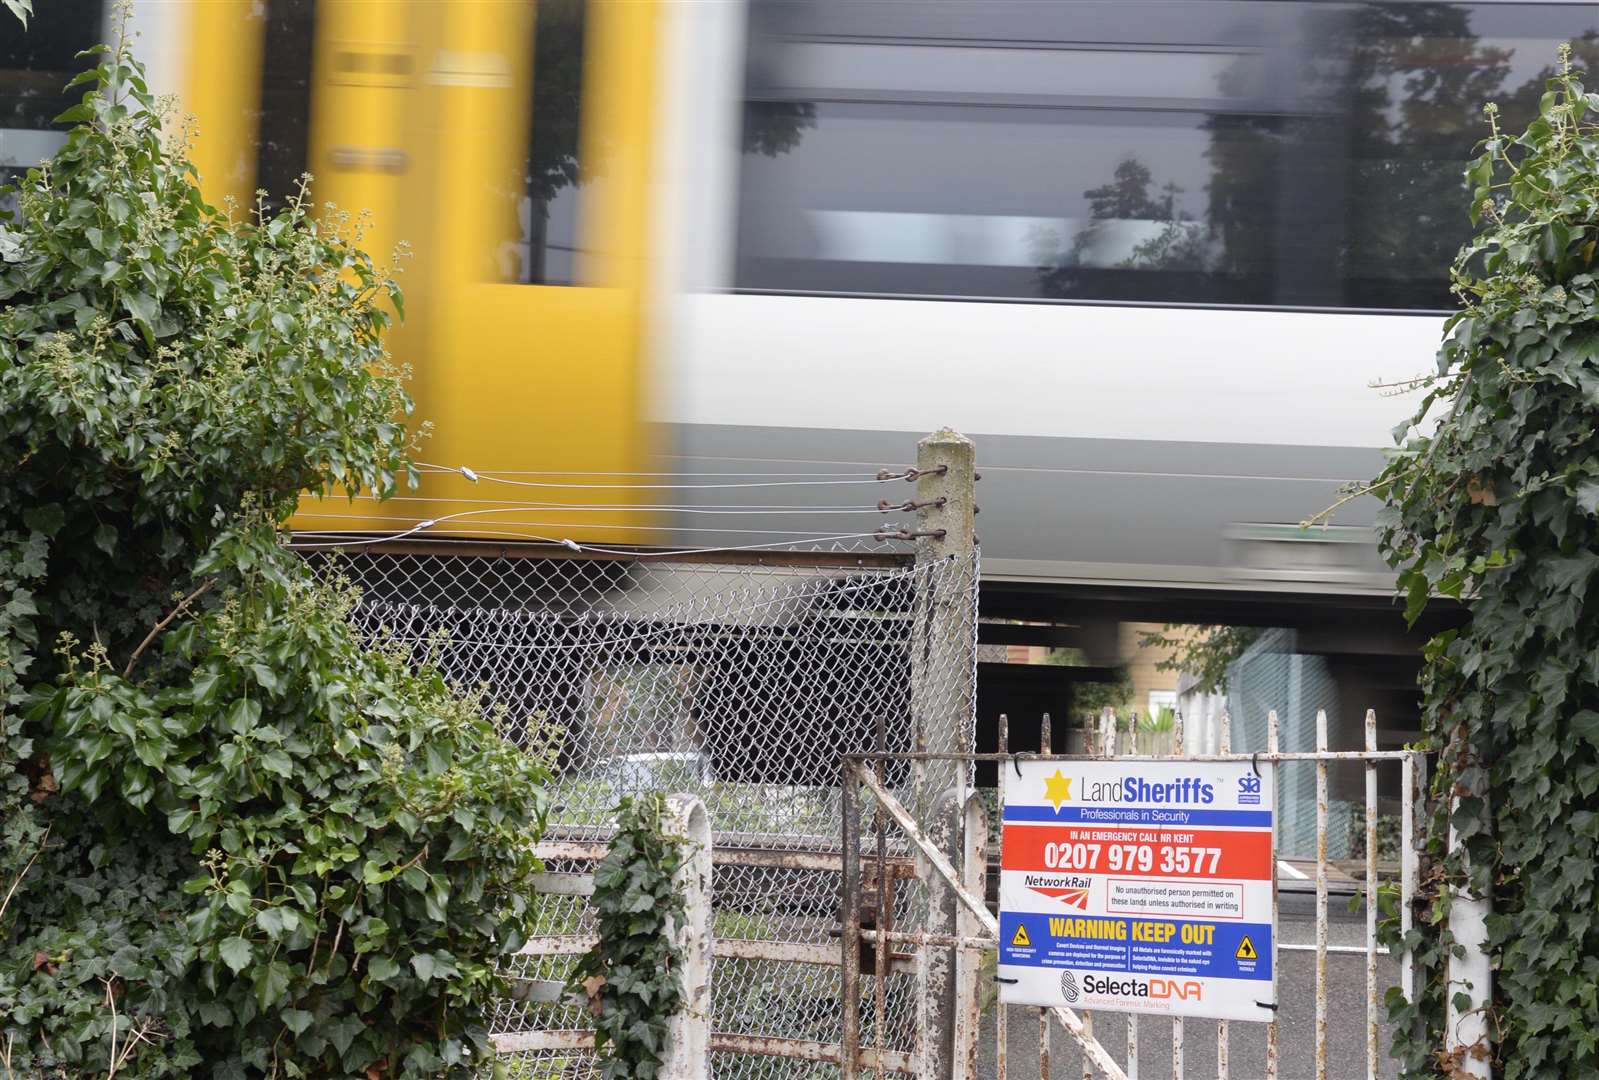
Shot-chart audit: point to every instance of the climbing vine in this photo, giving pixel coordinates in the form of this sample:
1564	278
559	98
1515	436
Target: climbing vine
633	977
1499	504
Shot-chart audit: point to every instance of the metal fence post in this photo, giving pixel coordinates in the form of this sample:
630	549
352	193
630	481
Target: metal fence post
1177	1047
969	962
1001	1013
944	643
1224	743
1371	898
688	1055
1046	746
850	920
1467	1038
1321	896
1272	747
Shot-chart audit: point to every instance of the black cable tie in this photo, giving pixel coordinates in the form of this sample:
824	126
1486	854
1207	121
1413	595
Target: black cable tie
1254	763
1013	982
1272	1005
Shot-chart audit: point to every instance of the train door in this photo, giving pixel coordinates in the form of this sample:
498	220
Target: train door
506	143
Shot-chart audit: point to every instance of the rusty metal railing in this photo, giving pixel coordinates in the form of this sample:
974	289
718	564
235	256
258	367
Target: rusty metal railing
979	929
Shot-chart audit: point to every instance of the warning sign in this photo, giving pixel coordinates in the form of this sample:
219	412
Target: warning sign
1138	887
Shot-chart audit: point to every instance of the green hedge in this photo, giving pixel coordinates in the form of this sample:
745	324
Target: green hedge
237	840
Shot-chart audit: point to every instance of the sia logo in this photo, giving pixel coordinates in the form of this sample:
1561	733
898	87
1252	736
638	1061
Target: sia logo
1068	986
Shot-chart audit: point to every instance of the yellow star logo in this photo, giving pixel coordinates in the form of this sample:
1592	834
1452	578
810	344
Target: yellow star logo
1057	789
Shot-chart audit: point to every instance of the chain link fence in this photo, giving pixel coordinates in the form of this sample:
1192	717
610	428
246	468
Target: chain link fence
740	678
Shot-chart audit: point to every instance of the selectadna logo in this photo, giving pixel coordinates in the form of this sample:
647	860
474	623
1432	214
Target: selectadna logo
1068	987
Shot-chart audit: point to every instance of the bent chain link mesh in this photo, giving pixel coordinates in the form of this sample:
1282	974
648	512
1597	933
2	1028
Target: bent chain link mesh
744	683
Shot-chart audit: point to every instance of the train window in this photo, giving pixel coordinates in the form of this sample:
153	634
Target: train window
35	66
283	138
1219	152
547	211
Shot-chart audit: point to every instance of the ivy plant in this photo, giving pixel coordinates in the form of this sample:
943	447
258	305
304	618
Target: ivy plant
236	838
1493	496
633	977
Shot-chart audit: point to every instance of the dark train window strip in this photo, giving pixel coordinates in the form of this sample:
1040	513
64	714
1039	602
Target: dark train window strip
1301	155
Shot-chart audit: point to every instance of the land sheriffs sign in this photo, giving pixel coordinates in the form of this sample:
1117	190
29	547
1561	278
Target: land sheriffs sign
1138	886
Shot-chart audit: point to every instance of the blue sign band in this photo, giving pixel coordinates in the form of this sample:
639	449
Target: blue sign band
1136	945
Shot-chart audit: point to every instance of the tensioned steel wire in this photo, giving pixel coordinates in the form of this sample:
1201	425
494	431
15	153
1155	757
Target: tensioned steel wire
743	682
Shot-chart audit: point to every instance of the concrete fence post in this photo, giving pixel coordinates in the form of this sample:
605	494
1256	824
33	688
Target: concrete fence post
943	655
688	1054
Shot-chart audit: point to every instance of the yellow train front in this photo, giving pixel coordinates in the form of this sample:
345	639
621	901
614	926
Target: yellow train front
503	147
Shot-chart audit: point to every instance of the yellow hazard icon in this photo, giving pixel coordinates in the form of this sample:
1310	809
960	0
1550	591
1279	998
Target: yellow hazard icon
1020	938
1246	950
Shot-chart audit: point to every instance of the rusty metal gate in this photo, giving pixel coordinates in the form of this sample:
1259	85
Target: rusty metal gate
951	847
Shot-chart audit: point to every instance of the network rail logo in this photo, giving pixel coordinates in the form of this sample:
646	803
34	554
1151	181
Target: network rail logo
1070	889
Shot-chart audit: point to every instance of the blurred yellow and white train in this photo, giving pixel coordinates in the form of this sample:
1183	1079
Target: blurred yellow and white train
1149	254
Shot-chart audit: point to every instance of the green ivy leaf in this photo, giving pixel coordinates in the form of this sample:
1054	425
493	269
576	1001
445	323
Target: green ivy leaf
1585	725
1571	575
273	921
47	518
243	717
266	677
270	982
278	763
237	953
1588	496
206	684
